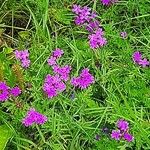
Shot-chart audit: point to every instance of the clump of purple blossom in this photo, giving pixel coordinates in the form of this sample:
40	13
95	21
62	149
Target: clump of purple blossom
137	58
63	72
4	92
122	131
124	35
23	56
55	84
15	91
85	17
84	80
97	40
34	117
108	2
57	53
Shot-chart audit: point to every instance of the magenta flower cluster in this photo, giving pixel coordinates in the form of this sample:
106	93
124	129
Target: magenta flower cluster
85	17
108	2
53	85
34	117
23	57
123	35
122	132
137	58
84	80
6	91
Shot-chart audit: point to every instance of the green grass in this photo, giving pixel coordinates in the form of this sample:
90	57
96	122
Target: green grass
121	89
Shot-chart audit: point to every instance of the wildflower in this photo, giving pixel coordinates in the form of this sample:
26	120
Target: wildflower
53	85
137	56
25	63
15	91
83	14
116	134
34	117
4	91
52	61
84	80
62	71
128	137
97	40
144	62
76	9
123	35
93	25
58	53
106	2
23	56
123	125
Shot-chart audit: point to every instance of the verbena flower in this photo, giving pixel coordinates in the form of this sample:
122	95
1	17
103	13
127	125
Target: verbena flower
122	125
116	134
97	40
15	91
53	85
83	14
86	17
144	62
51	61
4	91
23	56
137	58
92	26
122	131
108	2
25	63
63	72
84	80
58	53
34	117
128	137
124	35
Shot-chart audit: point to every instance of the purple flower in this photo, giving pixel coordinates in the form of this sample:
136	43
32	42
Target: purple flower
53	85
4	92
51	61
23	56
58	53
124	35
92	26
122	125
128	137
62	71
83	14
76	9
18	54
15	91
97	40
116	134
106	2
84	80
25	63
34	117
144	62
137	56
